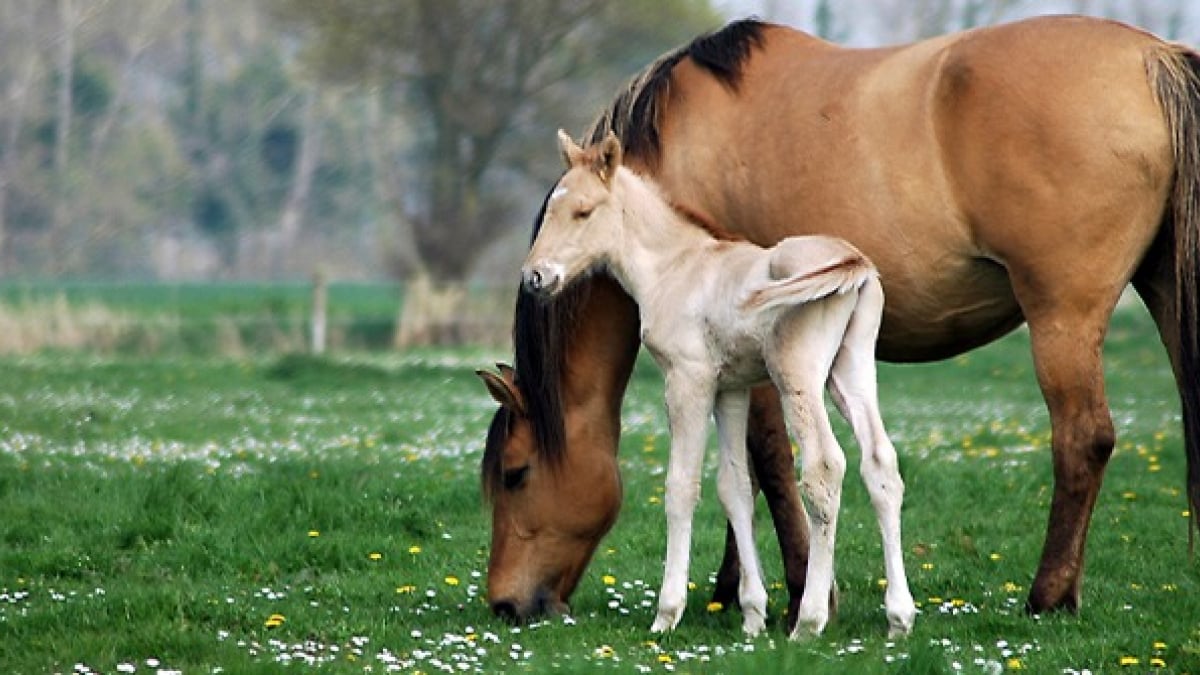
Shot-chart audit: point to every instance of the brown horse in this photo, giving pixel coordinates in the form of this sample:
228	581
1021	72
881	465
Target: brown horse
1021	173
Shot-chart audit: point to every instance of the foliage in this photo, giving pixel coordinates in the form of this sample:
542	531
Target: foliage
196	514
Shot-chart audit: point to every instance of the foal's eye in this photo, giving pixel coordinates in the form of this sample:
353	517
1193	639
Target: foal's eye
514	478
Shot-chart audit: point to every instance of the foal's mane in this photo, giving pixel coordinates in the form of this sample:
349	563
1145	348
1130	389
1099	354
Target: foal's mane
541	330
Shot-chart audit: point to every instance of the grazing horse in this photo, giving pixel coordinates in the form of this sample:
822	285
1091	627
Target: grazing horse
720	316
1027	172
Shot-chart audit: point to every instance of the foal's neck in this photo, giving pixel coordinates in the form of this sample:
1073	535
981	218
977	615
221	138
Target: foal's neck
657	238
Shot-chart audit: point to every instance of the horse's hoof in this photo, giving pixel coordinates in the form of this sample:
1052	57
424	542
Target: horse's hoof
753	624
665	621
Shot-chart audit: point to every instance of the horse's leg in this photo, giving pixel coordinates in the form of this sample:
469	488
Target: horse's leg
854	390
1067	335
774	473
775	467
689	402
733	488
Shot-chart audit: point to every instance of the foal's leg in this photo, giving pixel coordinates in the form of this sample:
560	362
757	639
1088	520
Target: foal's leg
800	358
734	490
689	403
854	389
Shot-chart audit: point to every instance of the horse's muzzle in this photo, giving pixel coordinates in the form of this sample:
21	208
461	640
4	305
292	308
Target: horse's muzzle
542	604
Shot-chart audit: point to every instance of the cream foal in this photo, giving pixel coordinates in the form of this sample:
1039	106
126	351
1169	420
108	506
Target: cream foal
718	317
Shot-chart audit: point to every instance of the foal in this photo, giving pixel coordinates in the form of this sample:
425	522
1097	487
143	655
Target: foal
718	317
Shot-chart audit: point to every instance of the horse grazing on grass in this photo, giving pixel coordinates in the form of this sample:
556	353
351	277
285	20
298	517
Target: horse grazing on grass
720	316
1026	172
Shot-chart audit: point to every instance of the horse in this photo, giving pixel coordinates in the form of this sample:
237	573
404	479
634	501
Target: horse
1021	173
720	315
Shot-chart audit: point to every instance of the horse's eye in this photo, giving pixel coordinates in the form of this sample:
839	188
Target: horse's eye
583	212
514	478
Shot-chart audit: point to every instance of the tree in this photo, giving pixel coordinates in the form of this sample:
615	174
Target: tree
474	74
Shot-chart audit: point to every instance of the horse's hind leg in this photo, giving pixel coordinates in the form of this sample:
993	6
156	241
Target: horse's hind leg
1067	336
734	491
854	390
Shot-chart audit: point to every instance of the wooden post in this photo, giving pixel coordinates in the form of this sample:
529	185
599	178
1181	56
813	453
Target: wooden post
320	297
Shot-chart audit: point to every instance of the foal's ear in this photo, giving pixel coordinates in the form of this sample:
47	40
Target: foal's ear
503	388
571	153
609	158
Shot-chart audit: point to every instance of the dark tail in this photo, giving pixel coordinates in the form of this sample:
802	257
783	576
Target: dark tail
1175	73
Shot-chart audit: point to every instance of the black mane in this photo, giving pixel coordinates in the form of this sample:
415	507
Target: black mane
541	330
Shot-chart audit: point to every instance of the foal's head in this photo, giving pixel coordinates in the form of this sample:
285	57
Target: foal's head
582	218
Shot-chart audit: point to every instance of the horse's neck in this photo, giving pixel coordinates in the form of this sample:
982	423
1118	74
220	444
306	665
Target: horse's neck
655	238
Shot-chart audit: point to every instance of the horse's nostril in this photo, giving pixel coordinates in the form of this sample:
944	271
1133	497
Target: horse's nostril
506	609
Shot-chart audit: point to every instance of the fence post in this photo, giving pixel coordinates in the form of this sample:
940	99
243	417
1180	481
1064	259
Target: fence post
320	298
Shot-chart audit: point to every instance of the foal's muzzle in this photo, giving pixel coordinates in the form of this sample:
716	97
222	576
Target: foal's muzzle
542	280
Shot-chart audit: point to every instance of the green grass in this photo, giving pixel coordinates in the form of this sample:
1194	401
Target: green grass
158	512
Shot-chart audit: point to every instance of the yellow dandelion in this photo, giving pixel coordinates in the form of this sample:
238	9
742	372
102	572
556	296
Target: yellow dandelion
881	582
414	549
927	566
1015	664
995	556
451	580
375	555
1185	513
1129	661
664	658
691	585
935	600
714	607
1160	645
1010	587
608	579
1156	662
654	499
1129	494
274	621
407	588
313	534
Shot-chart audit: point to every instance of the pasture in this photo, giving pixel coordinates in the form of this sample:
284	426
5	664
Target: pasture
191	513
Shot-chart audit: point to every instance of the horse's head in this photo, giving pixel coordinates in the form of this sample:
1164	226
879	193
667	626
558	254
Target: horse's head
580	221
547	516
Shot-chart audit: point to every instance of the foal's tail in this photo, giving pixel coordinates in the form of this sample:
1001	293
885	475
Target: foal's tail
1175	74
841	276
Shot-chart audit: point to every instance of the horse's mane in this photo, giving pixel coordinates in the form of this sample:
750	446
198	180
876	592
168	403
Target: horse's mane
541	330
634	114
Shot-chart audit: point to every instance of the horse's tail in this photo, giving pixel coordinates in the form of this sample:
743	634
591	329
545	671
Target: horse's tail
1175	74
841	276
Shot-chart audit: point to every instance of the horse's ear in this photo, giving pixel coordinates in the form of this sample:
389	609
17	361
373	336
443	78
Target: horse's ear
571	153
503	389
609	158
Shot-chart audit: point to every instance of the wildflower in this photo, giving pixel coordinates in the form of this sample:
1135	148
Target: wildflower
1157	662
407	588
654	499
374	555
604	652
313	534
664	658
1129	661
1010	587
1160	645
451	580
1014	664
715	607
414	549
995	556
927	566
274	621
691	585
608	579
1129	494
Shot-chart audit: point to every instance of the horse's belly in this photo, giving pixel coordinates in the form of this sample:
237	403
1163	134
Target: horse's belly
946	311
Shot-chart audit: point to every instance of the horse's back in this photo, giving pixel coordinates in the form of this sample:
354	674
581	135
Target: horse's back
951	162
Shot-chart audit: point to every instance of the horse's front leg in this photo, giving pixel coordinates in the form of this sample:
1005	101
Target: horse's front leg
735	492
689	402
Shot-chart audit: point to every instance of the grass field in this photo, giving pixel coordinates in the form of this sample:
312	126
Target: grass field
195	514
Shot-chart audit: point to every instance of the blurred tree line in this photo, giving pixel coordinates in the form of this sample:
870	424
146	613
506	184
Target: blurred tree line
193	139
250	139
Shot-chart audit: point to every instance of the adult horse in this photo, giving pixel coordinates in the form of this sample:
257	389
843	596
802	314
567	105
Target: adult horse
1020	173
